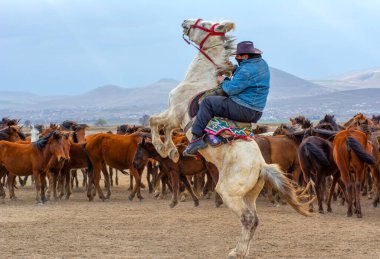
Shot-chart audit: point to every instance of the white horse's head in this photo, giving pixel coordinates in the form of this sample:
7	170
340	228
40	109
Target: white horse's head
212	36
198	30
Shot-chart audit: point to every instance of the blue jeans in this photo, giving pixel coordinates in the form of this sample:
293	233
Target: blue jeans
222	106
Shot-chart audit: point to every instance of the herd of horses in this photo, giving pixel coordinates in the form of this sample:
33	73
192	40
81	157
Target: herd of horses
326	160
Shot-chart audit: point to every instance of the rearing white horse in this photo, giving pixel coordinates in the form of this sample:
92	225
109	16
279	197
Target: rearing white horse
242	169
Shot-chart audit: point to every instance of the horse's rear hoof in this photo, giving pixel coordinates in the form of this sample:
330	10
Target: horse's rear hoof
359	215
173	204
14	198
130	197
321	212
196	203
349	214
329	210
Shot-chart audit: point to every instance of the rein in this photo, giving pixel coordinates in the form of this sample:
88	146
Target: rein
211	32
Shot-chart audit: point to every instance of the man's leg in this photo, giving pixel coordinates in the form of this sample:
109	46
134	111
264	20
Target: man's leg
211	106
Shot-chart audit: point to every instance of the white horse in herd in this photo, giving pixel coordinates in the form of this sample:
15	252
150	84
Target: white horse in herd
242	169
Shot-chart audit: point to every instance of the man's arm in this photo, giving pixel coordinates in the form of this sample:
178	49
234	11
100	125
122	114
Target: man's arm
237	84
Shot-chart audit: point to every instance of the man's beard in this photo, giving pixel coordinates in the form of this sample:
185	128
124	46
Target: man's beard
239	60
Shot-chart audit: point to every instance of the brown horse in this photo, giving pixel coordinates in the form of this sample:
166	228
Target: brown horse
32	158
352	150
12	134
116	151
176	171
317	162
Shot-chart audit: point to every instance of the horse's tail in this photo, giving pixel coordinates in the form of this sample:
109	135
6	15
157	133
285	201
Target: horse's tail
90	167
312	151
360	151
275	177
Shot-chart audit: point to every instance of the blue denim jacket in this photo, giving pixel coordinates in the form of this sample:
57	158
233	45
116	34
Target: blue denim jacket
249	85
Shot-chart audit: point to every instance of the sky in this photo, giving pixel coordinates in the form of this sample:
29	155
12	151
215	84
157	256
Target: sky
53	47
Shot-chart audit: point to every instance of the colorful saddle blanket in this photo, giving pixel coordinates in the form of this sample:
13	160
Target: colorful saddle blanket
228	128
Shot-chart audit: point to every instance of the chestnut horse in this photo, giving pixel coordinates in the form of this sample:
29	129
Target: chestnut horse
116	151
32	158
352	150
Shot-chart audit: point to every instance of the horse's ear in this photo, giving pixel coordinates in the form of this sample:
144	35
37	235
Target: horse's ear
225	26
143	142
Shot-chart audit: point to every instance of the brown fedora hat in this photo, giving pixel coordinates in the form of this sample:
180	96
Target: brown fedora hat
246	47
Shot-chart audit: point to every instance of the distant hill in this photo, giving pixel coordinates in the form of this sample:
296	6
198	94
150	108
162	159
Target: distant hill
285	85
289	96
369	78
343	104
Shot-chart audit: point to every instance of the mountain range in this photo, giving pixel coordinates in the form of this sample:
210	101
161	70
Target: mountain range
289	96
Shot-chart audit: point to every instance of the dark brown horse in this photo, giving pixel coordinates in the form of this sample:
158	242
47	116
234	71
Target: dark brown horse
32	159
317	162
176	171
116	151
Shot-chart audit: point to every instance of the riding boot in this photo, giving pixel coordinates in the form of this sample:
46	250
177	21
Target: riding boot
196	144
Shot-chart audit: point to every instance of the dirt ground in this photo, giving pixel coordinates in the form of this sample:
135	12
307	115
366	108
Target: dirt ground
120	228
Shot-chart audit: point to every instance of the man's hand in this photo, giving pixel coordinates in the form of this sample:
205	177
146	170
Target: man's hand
220	79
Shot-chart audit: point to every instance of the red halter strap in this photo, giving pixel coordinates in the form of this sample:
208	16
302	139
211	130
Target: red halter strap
211	32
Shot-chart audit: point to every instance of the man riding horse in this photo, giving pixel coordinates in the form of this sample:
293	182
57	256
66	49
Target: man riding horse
246	91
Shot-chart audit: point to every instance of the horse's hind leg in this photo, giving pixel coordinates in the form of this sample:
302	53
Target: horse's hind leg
250	199
136	188
248	218
107	180
358	181
190	190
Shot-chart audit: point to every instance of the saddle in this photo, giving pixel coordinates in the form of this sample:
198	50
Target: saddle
225	128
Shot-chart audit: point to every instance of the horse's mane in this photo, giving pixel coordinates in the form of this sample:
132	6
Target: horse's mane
302	121
376	119
41	143
229	48
68	125
328	120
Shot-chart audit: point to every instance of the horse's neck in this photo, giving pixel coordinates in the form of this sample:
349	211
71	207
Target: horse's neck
201	73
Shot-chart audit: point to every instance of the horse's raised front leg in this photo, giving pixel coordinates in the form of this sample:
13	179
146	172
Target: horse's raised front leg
154	122
169	146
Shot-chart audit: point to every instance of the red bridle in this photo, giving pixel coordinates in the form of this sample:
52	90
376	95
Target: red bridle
211	32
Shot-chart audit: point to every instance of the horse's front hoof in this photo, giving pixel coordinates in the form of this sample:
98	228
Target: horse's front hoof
349	214
182	198
321	212
359	215
173	204
130	197
141	198
13	198
174	155
196	203
234	255
329	210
